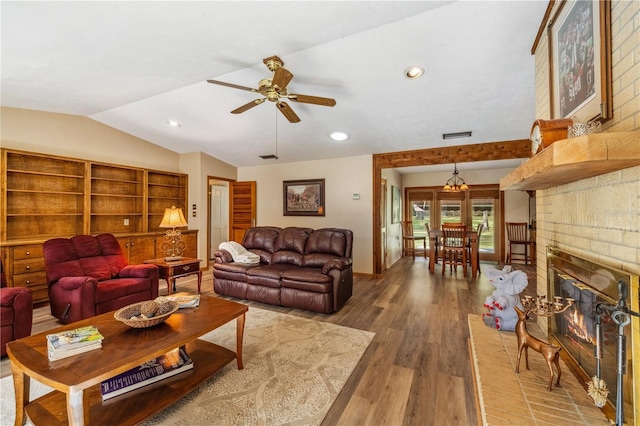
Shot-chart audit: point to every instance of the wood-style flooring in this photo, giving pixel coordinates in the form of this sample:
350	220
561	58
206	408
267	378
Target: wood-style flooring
416	370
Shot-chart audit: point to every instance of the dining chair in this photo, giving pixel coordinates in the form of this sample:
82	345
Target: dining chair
517	234
479	230
454	247
409	240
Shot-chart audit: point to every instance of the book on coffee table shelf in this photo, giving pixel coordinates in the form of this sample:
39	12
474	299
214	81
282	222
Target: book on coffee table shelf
168	365
185	300
73	342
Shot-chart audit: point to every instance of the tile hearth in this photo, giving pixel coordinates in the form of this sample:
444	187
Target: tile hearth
523	399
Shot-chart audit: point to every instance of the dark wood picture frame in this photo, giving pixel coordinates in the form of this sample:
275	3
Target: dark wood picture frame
303	197
580	61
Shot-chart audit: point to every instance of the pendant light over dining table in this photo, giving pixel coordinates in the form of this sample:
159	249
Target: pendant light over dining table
456	183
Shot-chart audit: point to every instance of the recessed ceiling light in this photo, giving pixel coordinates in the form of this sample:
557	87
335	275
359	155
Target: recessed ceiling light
173	123
414	72
339	136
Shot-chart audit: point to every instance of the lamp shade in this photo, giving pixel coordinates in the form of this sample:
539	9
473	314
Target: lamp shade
173	218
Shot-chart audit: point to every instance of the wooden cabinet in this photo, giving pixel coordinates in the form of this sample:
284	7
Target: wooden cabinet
190	239
24	267
42	196
23	261
137	249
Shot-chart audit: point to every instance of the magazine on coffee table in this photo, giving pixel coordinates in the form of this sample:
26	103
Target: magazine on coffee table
160	368
185	300
73	342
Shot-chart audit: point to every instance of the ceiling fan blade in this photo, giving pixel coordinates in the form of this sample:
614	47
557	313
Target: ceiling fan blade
234	86
286	110
316	100
281	78
250	105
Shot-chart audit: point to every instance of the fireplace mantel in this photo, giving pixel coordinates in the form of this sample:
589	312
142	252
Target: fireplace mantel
570	160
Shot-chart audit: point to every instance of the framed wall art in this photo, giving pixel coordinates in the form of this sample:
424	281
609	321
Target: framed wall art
396	204
580	61
303	197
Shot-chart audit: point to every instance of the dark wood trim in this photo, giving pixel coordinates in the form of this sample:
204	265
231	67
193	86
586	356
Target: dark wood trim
505	150
543	24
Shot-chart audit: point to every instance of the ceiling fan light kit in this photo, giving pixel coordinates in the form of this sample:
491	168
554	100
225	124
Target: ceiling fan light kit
274	89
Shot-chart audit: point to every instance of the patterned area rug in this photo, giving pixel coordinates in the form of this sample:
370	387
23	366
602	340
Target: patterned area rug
294	368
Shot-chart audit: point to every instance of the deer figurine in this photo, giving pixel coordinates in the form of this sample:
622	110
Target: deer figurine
550	353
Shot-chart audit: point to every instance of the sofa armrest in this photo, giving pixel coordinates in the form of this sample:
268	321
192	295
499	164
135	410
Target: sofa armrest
222	256
340	264
139	271
72	283
8	295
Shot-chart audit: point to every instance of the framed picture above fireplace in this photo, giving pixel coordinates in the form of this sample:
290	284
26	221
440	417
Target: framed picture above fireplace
579	36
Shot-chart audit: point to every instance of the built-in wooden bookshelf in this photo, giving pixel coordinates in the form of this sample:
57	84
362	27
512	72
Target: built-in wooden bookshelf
164	190
46	196
42	195
117	199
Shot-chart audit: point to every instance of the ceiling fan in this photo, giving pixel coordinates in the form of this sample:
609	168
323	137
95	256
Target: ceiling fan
274	89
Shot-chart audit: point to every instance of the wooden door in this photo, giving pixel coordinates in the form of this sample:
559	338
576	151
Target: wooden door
219	215
242	208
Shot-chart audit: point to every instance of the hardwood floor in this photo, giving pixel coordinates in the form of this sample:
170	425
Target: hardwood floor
416	370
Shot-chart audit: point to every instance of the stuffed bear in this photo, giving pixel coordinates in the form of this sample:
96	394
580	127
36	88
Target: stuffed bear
509	284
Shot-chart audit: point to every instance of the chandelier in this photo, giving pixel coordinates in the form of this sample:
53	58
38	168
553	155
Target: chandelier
456	183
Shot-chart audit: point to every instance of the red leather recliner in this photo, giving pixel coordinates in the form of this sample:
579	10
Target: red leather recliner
89	276
16	313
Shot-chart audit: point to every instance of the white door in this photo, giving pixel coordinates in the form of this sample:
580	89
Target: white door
219	214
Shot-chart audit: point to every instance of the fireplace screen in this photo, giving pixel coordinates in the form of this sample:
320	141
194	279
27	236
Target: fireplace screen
574	330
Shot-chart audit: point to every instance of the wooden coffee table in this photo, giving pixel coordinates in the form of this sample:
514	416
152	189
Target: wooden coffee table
77	400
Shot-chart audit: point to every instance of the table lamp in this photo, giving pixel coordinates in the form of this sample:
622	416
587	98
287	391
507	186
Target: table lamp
173	244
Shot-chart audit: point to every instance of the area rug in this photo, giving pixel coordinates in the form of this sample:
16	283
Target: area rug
294	368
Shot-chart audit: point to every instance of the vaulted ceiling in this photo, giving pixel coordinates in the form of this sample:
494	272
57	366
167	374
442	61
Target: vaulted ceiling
135	66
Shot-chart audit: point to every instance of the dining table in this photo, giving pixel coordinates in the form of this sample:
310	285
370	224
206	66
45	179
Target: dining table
435	235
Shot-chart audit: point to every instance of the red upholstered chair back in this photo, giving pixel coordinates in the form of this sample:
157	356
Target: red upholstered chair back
99	257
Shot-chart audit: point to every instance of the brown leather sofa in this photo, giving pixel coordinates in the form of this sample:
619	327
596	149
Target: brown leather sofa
299	268
89	276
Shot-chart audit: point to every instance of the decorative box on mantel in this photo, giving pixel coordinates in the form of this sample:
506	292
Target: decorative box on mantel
570	160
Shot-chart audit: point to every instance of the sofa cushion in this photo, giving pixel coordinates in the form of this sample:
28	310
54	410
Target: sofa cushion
118	288
287	257
306	274
112	253
96	267
268	275
327	241
261	241
293	239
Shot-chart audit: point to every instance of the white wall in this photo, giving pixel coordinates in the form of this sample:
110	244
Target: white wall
343	178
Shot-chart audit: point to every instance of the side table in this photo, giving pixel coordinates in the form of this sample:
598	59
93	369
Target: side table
169	271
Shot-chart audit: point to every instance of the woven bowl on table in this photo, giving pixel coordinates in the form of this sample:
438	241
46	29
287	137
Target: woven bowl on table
125	314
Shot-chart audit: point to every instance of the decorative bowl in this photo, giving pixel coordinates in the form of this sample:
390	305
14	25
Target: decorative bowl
125	315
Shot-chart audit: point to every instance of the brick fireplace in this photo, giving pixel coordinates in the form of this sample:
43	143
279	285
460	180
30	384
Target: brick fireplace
587	204
577	329
597	219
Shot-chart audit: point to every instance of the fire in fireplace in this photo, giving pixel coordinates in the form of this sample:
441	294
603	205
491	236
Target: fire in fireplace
591	284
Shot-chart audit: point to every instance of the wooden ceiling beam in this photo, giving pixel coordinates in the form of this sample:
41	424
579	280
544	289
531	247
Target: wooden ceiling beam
505	150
